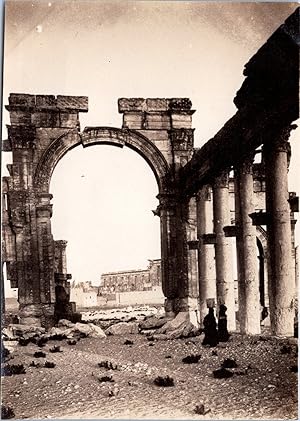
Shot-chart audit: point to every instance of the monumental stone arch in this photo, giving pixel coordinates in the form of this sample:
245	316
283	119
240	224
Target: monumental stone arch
43	129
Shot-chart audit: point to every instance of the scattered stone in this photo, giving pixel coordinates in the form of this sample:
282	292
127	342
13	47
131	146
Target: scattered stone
55	349
123	328
222	373
49	364
150	338
41	342
164	381
23	341
132	383
241	372
128	342
106	379
285	349
167	356
109	365
200	410
7	412
12	369
34	364
39	354
114	392
5	353
151	344
71	342
191	359
58	337
214	353
229	363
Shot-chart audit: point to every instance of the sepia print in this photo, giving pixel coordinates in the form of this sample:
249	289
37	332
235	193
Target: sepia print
150	172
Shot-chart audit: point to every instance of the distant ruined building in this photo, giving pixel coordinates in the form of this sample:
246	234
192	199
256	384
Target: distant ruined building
121	288
132	280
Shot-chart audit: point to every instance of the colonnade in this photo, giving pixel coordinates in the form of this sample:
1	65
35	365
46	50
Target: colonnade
214	229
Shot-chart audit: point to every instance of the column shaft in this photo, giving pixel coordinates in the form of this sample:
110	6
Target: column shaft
206	252
223	248
249	304
281	278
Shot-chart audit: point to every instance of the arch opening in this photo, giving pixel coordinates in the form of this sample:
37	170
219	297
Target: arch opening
108	195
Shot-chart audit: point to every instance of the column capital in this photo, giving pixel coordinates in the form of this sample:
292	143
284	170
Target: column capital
221	180
281	142
205	193
167	200
246	166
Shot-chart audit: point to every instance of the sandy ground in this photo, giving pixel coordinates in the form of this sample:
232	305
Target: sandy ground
72	389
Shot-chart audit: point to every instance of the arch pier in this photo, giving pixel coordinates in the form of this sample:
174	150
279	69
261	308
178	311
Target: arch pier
213	200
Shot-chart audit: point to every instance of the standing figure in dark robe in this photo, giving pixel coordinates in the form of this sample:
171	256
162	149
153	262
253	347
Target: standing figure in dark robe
210	329
222	324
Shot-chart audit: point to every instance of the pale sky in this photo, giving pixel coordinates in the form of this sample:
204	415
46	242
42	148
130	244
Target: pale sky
103	196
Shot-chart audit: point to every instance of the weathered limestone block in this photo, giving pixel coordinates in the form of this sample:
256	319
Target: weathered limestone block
123	328
153	322
18	330
89	329
180	327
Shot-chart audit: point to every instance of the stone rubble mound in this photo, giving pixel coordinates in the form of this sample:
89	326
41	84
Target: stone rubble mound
64	330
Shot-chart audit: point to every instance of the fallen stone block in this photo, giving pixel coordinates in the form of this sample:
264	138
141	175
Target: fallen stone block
153	322
65	323
96	331
123	328
21	330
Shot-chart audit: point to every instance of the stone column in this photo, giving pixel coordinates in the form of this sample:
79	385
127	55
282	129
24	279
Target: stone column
192	263
167	213
223	248
281	278
60	256
249	303
45	245
206	252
